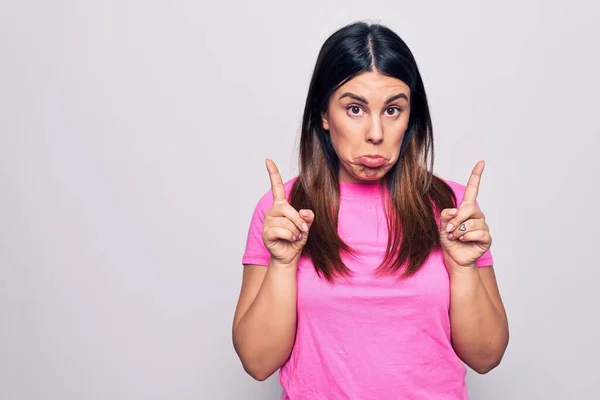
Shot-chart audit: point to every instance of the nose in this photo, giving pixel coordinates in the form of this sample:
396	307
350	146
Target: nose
374	131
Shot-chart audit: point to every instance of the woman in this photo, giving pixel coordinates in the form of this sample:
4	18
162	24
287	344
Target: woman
366	276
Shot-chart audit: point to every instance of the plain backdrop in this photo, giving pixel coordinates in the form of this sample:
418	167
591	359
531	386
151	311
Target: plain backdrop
132	144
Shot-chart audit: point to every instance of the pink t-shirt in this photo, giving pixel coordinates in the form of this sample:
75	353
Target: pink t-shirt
368	337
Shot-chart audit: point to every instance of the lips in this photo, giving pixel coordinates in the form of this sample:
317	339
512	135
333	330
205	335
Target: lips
372	161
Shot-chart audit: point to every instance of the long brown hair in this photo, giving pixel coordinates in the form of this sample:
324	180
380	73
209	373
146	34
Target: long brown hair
416	195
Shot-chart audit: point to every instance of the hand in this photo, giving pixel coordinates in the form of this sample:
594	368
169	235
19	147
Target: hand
285	230
464	234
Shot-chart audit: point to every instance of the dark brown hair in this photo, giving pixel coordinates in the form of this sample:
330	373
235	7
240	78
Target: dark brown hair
416	196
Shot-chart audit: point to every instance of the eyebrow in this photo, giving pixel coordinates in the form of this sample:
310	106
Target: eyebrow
363	100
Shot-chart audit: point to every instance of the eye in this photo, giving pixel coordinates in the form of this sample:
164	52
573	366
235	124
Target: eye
393	111
354	109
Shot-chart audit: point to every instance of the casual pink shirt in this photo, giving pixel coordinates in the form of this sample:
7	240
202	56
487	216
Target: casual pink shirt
368	337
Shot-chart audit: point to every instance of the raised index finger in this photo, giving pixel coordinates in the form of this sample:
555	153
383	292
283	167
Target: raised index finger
276	182
473	184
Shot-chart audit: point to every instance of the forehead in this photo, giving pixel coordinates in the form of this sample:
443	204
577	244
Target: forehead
374	85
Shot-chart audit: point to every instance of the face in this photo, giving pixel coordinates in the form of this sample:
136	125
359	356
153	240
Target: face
366	119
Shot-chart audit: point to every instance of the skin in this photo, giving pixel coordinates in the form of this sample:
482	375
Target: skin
264	325
362	120
478	321
368	115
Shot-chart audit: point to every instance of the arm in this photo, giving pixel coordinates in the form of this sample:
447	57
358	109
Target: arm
264	324
478	319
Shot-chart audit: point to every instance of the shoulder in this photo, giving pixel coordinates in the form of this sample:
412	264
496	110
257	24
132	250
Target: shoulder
457	188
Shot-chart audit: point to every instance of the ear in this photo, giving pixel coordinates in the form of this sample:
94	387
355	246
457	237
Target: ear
324	121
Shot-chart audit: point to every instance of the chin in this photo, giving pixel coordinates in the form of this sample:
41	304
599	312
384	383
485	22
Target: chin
369	176
360	174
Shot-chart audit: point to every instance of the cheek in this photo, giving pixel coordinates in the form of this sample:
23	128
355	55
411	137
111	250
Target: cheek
397	137
340	144
401	129
345	136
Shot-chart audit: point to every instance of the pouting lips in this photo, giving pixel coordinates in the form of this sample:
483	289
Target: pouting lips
372	161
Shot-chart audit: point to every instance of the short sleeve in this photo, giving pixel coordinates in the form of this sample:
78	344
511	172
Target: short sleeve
486	259
255	252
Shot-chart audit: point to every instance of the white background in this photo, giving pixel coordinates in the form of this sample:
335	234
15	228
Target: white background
132	144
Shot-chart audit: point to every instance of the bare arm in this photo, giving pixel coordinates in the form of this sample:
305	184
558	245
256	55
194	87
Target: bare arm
264	326
478	319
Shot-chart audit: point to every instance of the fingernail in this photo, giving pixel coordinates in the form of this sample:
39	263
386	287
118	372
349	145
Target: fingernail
305	227
452	212
449	236
300	237
304	213
449	227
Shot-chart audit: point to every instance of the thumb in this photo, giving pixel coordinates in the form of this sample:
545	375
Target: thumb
445	217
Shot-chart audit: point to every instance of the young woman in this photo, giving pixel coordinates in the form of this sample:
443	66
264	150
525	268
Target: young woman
367	276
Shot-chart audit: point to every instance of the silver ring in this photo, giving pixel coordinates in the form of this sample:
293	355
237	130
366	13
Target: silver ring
462	227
